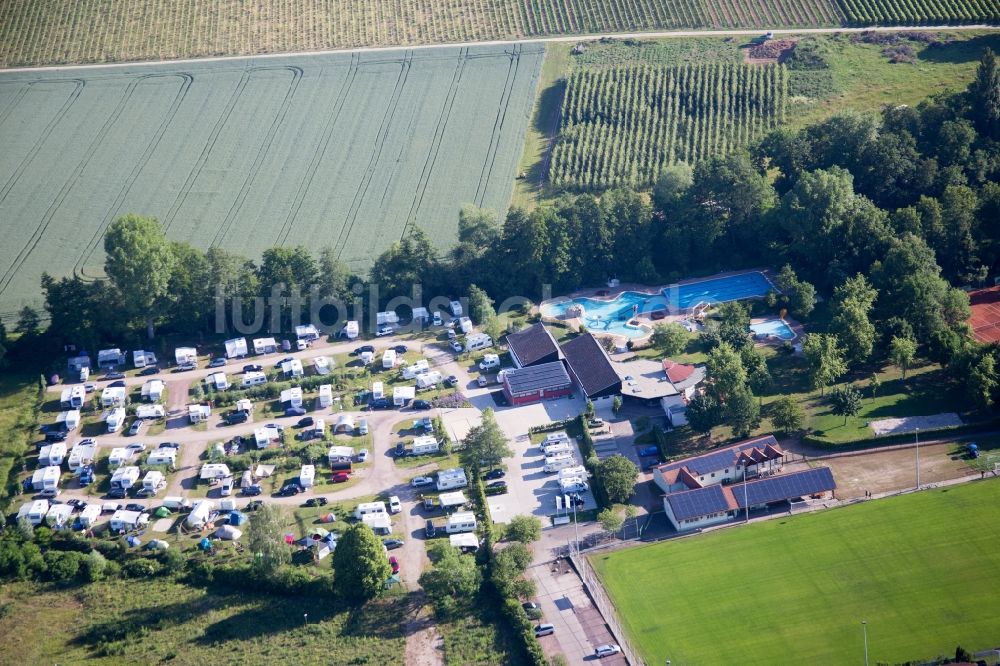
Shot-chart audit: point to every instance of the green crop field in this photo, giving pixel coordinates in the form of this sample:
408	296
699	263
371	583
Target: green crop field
340	150
622	125
921	569
53	31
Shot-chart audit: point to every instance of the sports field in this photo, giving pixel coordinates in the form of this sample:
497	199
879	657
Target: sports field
340	150
922	569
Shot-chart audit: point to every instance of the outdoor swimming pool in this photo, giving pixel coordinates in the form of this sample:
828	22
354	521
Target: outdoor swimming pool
718	290
777	328
610	316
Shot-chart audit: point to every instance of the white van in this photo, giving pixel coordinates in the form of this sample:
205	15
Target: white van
489	362
394	505
553	465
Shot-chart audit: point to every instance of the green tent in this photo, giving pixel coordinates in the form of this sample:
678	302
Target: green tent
162	512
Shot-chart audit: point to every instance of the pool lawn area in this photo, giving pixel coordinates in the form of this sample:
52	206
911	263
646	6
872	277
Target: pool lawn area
922	569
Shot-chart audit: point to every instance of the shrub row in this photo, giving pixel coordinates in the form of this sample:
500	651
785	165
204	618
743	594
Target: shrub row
590	461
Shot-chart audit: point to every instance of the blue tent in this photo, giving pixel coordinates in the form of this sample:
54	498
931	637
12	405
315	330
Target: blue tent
205	544
237	518
133	541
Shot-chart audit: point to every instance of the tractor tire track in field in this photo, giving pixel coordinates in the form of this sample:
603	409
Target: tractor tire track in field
319	153
186	80
380	139
508	90
439	132
64	191
15	176
14	101
262	151
206	150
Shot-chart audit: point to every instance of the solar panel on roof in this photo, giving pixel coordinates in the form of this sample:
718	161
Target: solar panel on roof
787	486
695	503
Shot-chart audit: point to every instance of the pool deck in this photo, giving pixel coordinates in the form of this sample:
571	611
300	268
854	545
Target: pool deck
606	293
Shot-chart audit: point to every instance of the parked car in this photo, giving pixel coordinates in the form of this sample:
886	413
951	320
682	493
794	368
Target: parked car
237	416
544	630
363	455
456	346
493	474
451	381
400	450
400	349
392	544
170	445
136	446
290	489
315	501
89	387
116	493
184	367
136	427
483	380
305	422
384	331
217	362
287	359
363	426
253	367
421	481
394	505
420	404
114	374
340	477
362	349
606	650
381	403
649	451
394	563
429	530
55	436
295	411
135	507
117	384
254	505
496	487
252	491
595	422
149	370
530	605
78	505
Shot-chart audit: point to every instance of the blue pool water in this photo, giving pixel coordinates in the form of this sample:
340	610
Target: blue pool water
718	290
604	316
775	327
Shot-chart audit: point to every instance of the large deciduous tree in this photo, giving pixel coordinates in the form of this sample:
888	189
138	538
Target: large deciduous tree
852	304
485	446
824	358
360	565
265	540
617	474
140	262
845	401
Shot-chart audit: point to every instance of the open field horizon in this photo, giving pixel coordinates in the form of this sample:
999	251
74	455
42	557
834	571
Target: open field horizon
346	150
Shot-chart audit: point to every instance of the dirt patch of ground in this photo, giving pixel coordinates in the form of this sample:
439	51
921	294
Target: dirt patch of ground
424	645
907	424
888	471
771	51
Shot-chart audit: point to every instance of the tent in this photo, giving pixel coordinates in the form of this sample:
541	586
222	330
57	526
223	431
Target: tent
237	518
157	544
289	539
162	512
133	541
205	544
328	518
319	533
228	532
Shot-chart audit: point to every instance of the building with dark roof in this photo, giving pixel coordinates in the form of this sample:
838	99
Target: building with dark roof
532	346
725	465
711	505
537	382
590	367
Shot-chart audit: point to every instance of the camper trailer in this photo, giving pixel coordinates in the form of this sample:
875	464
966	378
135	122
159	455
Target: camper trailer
292	397
150	412
428	380
52	454
368	508
141	358
416	368
463	521
119	456
153	482
114	396
152	391
115	419
127	521
73	397
389	359
186	355
125	477
403	395
448	479
81	454
307	476
68	420
236	348
325	398
465	325
350	330
476	341
555	464
253	378
322	365
577	471
162	456
218	381
59	515
554	449
456	308
36	512
340	454
49	481
424	445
